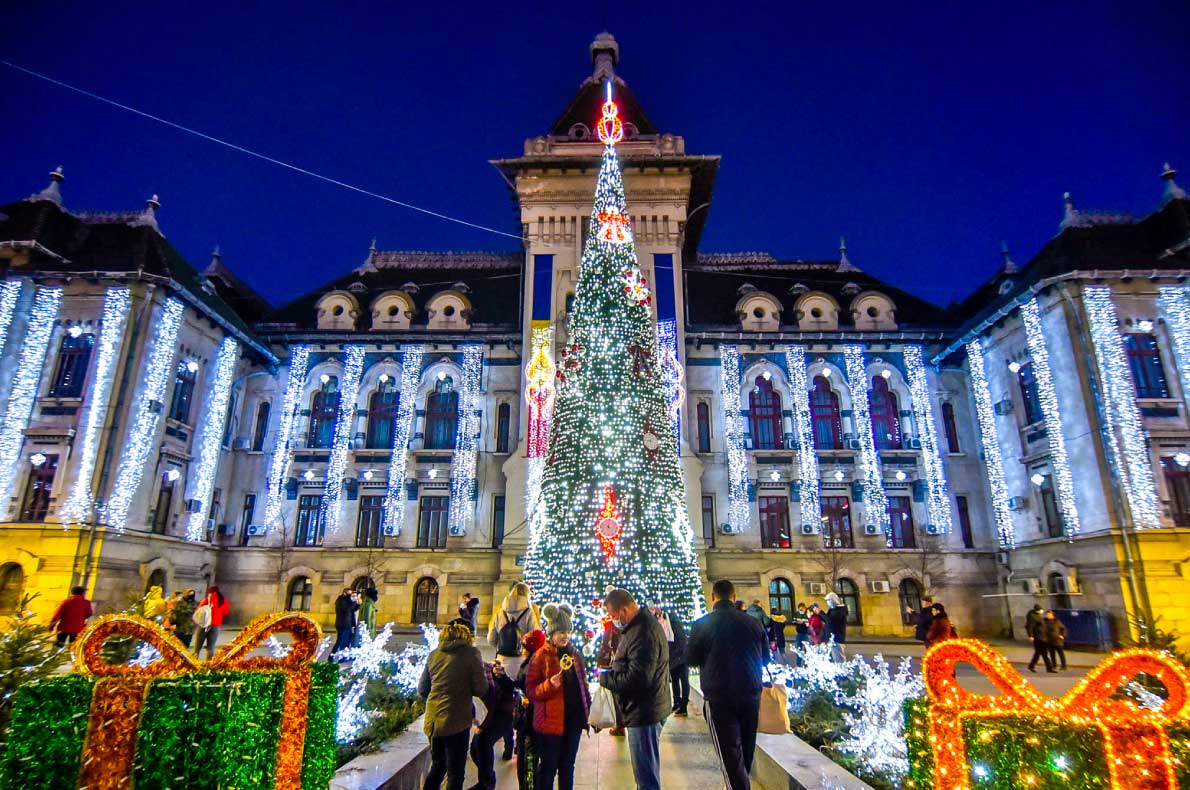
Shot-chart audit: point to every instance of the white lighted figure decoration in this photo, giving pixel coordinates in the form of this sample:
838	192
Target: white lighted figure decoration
636	287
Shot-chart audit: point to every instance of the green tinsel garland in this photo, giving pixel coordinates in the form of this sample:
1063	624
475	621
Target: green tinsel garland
45	742
318	758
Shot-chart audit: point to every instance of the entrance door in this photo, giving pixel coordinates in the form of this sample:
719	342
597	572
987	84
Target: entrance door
425	601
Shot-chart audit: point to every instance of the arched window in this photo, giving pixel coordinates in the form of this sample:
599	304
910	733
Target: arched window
702	414
382	413
12	588
301	590
828	425
324	411
1059	590
261	430
849	592
73	360
362	584
886	421
425	601
952	430
503	427
764	410
781	596
156	579
442	415
909	594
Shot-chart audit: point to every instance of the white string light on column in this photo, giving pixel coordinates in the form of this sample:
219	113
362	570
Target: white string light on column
10	292
394	494
1174	301
938	498
206	461
25	382
462	473
807	452
299	359
336	467
149	405
671	373
875	500
1132	460
739	512
993	461
1048	397
80	501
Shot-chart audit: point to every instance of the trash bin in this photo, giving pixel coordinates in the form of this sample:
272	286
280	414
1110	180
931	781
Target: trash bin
1086	628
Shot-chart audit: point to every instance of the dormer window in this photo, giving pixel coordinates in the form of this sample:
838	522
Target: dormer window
392	311
449	310
759	311
338	310
873	312
817	312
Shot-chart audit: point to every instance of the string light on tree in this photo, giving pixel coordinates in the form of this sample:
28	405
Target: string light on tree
394	493
795	364
336	467
299	358
938	498
875	500
738	510
993	461
210	437
462	473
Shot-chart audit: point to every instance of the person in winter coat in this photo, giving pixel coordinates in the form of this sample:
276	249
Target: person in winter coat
1033	619
208	636
367	610
603	660
801	632
155	603
71	616
679	672
1035	628
1055	637
557	685
836	622
526	740
454	674
777	636
731	649
515	618
940	627
757	611
181	617
817	625
469	611
346	605
499	703
921	619
639	677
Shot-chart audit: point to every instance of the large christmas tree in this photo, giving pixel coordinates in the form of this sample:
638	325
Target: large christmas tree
614	505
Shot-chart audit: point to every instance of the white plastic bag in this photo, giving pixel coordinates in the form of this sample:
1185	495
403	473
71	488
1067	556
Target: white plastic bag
603	708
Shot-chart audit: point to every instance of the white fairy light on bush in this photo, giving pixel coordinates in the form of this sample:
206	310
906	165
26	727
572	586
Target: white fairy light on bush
336	467
210	437
875	500
10	293
26	380
299	359
394	492
993	461
368	658
807	455
1048	397
874	715
937	496
351	716
79	504
462	473
739	512
1174	302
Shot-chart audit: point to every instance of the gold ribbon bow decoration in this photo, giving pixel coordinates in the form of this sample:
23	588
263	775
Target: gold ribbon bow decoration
1135	739
119	696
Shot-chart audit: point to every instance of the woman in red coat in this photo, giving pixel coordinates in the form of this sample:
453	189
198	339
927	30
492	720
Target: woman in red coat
209	635
556	683
71	616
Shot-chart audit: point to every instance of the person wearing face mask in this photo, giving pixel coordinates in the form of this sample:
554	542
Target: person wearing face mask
556	683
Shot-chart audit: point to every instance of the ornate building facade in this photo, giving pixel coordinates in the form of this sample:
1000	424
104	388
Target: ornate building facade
168	426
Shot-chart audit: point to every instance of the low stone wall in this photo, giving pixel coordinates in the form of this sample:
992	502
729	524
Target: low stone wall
401	764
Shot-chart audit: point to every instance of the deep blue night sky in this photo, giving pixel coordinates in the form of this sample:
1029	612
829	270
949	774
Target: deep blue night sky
924	135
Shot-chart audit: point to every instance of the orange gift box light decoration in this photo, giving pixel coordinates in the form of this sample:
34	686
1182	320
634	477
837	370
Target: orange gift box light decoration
1136	742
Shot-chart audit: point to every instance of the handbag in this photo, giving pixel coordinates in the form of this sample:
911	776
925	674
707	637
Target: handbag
774	709
603	708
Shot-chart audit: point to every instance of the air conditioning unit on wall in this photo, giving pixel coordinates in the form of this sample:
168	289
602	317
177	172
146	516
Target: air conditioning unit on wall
1018	503
880	586
816	588
871	529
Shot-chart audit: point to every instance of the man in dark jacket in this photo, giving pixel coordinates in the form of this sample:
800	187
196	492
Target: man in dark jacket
454	673
469	611
731	648
346	605
679	672
922	618
639	677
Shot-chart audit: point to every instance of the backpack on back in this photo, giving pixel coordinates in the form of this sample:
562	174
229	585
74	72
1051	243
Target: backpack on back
509	640
202	615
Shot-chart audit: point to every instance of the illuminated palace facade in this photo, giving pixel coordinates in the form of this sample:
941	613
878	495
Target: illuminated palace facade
165	425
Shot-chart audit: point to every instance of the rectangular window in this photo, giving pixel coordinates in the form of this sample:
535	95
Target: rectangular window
836	522
708	519
497	521
1144	360
703	414
179	407
1177	481
1051	517
901	515
262	427
432	522
216	510
1029	397
774	522
35	505
368	531
73	360
165	501
246	517
503	427
951	428
965	522
310	525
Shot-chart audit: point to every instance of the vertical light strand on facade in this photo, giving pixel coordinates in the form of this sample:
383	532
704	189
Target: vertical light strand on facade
1174	301
10	293
462	471
299	359
937	495
739	512
807	450
993	461
336	467
1047	395
79	504
539	396
1132	459
143	430
872	480
25	383
671	374
210	437
394	493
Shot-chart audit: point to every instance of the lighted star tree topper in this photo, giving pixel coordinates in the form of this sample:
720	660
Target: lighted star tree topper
612	493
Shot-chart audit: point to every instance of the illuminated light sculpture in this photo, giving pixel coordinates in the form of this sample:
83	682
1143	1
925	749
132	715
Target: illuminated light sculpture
993	461
1130	450
10	293
1048	397
1136	746
807	453
608	525
539	390
1174	302
462	471
938	498
738	509
26	380
210	437
636	287
875	500
79	505
299	359
394	492
336	466
671	374
149	405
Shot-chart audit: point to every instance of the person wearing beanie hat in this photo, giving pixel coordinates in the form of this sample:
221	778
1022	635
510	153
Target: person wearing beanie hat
557	685
526	740
454	674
